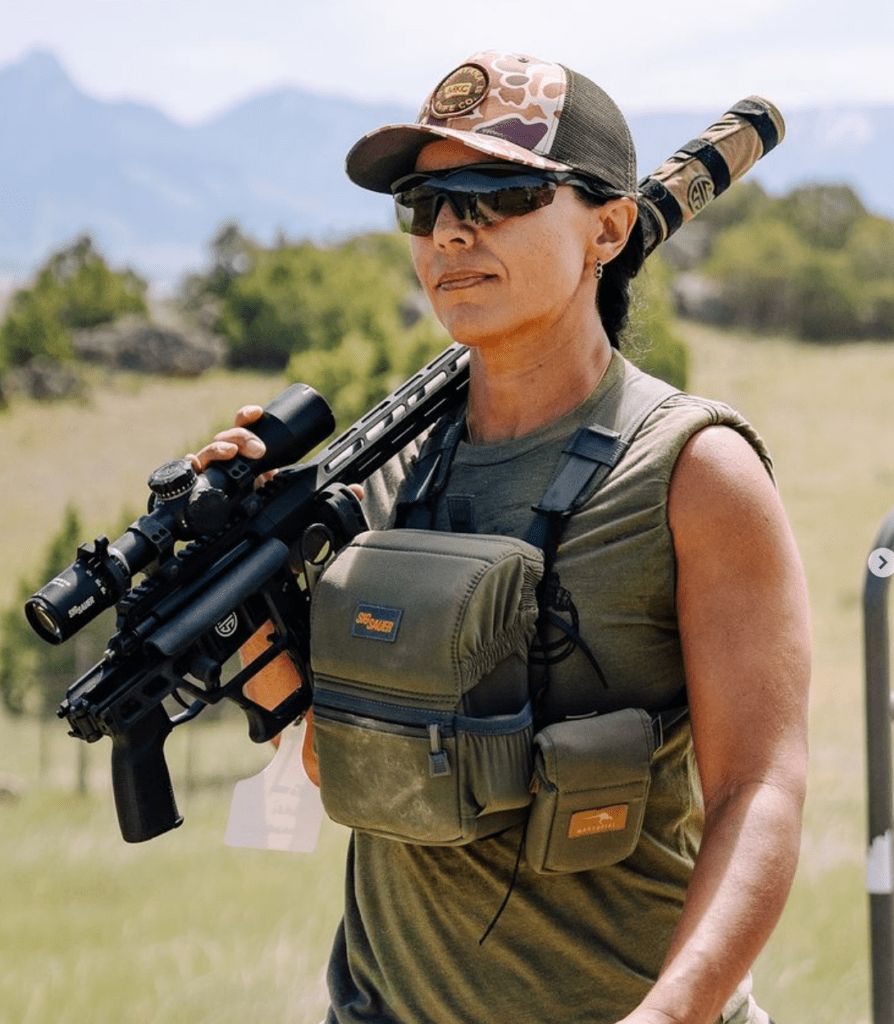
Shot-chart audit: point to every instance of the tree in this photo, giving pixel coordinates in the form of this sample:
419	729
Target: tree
360	371
74	289
297	297
812	263
822	215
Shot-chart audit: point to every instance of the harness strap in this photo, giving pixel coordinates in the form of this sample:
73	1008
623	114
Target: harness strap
664	721
420	490
592	454
594	451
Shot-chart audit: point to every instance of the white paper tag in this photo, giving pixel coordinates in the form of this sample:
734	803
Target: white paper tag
879	866
280	808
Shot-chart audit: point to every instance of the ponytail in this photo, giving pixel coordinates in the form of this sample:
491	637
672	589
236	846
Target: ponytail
613	293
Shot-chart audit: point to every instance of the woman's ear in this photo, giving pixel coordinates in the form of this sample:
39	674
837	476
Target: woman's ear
615	222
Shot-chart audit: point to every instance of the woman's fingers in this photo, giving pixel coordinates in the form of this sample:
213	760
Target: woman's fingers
236	440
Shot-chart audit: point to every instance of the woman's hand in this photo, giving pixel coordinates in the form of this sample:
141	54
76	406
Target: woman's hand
280	678
237	440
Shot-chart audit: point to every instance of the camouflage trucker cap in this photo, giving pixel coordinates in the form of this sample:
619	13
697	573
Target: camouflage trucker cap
512	107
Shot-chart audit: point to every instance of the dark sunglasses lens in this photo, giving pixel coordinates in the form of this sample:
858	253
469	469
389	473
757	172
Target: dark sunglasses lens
483	200
514	201
417	213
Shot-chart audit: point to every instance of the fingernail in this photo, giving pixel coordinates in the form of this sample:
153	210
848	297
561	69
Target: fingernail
254	448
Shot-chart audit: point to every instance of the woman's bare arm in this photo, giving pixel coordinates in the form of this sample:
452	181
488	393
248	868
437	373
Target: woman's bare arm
744	623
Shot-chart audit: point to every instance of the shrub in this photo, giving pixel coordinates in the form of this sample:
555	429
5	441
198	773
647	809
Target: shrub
813	264
650	340
300	297
74	289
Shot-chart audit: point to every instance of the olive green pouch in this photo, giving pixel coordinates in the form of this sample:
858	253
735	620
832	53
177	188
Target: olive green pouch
591	781
422	714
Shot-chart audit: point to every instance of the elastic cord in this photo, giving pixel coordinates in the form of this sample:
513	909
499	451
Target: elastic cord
502	907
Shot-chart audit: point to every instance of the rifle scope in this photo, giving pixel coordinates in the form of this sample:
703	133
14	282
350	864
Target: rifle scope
184	505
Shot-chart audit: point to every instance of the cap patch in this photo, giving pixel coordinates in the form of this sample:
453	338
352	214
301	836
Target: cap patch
460	91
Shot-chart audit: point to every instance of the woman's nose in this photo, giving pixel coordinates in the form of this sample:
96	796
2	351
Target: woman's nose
450	228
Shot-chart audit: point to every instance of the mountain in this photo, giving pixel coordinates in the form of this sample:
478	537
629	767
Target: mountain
153	192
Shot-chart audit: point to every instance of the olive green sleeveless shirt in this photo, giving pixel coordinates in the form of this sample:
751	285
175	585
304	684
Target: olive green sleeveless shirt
580	947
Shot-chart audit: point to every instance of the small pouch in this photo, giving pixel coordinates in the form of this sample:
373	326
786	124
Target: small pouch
591	781
422	715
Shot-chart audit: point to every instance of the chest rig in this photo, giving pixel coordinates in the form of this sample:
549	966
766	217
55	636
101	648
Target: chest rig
589	457
426	712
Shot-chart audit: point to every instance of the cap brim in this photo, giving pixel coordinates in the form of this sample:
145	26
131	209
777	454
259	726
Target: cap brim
390	152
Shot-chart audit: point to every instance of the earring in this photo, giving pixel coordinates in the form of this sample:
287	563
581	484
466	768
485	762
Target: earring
598	270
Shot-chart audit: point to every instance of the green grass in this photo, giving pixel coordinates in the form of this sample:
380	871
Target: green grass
179	930
183	929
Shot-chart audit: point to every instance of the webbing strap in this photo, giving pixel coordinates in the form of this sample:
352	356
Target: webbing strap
415	505
665	720
665	202
594	452
756	114
713	160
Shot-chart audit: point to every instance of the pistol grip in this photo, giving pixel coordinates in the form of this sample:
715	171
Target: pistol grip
144	797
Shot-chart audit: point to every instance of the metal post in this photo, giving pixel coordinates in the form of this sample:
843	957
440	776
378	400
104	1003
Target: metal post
880	791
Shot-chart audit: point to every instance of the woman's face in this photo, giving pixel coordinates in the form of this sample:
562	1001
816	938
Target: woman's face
524	278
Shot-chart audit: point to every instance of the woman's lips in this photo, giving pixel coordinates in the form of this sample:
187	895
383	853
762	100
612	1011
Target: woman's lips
456	280
465	279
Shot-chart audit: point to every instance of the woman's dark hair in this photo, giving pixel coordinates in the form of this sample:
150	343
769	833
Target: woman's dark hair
613	295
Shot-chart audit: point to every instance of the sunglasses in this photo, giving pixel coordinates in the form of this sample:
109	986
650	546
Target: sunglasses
482	194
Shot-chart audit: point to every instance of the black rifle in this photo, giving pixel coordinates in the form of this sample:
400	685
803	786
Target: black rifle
249	550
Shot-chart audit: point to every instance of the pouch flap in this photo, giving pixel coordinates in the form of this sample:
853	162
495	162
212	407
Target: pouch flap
423	613
621	744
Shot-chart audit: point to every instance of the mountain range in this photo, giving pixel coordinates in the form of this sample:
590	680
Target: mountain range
153	192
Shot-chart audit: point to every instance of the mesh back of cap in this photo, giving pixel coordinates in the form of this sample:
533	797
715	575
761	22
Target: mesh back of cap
593	136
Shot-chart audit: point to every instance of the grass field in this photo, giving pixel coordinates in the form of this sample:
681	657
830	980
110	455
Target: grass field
183	929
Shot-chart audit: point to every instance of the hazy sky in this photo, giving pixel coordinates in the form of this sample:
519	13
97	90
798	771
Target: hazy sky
193	58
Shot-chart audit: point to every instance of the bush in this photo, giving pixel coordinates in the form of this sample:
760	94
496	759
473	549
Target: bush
74	289
650	341
358	373
32	328
813	264
274	303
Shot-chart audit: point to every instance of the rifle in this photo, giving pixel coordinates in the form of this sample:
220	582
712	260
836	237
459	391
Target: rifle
249	551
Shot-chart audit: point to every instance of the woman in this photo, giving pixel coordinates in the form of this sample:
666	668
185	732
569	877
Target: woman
681	570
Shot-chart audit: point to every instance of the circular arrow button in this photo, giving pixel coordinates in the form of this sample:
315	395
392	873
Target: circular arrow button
881	562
